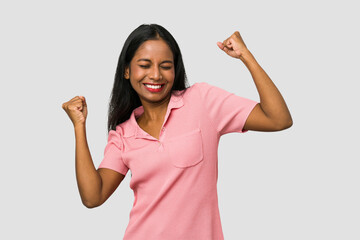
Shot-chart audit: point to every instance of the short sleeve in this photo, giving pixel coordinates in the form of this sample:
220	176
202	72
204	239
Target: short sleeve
113	154
227	111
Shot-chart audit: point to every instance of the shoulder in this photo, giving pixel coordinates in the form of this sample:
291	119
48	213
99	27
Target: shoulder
206	90
200	85
118	132
198	88
116	135
203	91
114	139
205	86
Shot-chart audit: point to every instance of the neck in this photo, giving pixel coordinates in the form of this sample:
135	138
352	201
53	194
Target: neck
154	112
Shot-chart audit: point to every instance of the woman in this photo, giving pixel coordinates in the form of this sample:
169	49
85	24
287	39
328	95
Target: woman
167	134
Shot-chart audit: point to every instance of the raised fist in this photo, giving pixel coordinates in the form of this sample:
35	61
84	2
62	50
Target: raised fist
76	109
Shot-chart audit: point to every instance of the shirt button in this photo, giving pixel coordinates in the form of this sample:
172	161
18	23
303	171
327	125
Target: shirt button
163	129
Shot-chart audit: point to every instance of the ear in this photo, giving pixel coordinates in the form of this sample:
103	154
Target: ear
126	74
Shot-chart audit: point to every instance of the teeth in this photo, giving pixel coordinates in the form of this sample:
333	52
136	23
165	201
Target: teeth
153	86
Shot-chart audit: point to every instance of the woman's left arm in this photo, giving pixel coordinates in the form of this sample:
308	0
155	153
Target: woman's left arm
271	114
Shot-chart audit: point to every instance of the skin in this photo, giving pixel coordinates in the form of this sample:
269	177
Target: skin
158	68
97	185
271	114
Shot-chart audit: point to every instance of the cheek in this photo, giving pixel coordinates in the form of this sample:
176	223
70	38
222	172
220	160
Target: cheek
138	73
170	75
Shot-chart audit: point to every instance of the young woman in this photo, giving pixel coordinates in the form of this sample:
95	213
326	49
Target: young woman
167	134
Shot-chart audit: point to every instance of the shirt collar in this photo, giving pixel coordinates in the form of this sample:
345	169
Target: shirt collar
132	128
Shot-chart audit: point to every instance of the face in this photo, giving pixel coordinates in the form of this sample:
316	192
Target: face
152	66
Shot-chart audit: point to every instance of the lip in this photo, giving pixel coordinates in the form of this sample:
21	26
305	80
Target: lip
155	83
154	90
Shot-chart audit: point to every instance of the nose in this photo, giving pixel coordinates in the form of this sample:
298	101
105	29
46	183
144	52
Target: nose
155	73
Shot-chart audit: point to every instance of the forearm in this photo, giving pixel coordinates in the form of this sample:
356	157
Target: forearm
88	179
271	100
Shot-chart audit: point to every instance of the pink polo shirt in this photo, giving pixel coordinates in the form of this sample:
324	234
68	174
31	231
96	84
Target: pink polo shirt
174	179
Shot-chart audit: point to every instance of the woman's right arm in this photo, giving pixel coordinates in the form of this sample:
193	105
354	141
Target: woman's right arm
95	186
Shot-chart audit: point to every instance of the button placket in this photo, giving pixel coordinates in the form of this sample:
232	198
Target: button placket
161	147
161	137
162	134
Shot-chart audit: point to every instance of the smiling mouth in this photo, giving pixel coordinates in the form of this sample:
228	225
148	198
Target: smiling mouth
154	86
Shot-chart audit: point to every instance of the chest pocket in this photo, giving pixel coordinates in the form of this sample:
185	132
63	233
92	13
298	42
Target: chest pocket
186	150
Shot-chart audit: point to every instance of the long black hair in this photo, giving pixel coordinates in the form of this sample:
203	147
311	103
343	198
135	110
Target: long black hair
124	99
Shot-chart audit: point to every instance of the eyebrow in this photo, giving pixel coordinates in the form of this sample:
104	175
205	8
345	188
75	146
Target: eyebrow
148	60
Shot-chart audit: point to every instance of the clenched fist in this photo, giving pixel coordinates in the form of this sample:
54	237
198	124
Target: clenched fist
76	109
234	46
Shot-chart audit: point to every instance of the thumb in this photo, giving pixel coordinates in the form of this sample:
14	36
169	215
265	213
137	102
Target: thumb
83	100
223	47
220	45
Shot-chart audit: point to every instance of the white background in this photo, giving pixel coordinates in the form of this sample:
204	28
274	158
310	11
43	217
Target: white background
300	183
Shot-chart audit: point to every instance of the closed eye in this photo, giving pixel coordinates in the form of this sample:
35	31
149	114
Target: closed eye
143	66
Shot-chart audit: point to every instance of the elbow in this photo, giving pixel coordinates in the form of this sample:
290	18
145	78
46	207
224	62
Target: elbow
90	204
288	124
285	124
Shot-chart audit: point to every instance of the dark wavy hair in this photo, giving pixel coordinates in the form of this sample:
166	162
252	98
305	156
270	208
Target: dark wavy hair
124	99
